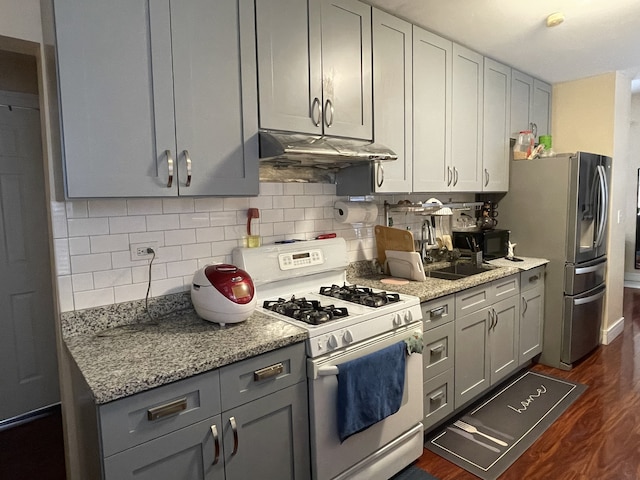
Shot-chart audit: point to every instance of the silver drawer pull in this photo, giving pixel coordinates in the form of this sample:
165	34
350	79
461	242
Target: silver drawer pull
234	428
439	395
170	165
216	444
436	312
533	279
268	372
167	409
188	159
437	349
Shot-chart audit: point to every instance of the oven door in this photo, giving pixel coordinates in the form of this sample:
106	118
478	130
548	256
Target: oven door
382	449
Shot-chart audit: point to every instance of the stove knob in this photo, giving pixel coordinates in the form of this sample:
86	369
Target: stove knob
333	341
347	337
408	316
397	319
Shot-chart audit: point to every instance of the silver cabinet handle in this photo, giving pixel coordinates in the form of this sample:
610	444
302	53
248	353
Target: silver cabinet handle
449	176
328	107
436	312
380	175
495	316
170	164
316	104
216	444
437	349
455	176
167	409
234	428
188	159
268	372
486	177
534	129
437	396
525	305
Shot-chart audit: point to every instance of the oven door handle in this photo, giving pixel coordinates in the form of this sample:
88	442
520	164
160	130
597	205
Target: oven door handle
328	371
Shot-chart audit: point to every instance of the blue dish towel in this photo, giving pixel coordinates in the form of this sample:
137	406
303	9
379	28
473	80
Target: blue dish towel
370	389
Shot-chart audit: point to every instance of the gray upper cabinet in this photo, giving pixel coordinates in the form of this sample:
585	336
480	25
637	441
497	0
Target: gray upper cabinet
466	120
495	140
314	67
432	73
142	96
530	104
392	89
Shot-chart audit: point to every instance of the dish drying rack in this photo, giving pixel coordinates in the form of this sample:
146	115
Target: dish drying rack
428	208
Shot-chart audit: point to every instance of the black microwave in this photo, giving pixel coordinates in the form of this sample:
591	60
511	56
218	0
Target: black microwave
493	243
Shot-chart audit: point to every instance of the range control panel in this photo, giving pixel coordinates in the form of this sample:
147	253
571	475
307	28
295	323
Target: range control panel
291	260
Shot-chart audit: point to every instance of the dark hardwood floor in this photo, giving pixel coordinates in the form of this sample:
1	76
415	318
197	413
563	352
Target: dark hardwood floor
598	437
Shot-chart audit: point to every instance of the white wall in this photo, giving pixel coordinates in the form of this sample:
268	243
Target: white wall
631	274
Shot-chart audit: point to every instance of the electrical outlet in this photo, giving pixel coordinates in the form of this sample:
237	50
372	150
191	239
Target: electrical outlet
140	251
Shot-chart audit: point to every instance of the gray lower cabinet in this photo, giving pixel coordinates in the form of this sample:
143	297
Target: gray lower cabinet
531	313
504	338
245	420
146	109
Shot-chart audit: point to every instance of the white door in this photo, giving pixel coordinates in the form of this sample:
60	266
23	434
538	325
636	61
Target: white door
29	375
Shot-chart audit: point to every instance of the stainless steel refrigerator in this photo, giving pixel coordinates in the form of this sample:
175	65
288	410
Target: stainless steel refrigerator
558	208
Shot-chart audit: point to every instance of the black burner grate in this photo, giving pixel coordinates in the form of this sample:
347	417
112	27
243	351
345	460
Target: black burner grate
308	311
360	295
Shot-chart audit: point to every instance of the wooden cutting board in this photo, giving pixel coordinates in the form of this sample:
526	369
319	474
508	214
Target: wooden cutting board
389	238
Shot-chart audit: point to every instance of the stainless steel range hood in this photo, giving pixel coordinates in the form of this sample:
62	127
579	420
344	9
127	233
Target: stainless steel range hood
282	149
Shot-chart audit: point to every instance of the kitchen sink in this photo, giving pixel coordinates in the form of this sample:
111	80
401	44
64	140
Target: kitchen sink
458	271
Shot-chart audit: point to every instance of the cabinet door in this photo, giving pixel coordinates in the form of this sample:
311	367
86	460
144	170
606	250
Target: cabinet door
531	321
541	110
504	338
346	69
521	102
495	140
289	65
466	120
186	454
116	97
216	107
432	67
392	88
270	438
472	367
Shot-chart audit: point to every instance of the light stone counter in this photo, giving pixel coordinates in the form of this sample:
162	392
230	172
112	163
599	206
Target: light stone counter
527	263
137	353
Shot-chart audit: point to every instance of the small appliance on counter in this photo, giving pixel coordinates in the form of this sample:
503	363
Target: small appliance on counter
492	243
223	294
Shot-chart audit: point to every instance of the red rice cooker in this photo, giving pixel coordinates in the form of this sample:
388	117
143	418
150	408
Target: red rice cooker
223	294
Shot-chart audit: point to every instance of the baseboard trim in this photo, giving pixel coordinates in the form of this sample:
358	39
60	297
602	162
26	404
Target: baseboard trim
610	334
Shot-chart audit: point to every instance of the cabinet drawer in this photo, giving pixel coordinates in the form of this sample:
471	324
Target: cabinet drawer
255	377
438	353
141	417
437	312
505	287
531	278
438	398
473	299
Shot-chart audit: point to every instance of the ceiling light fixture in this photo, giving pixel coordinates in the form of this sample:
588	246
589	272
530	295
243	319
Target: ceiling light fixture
555	19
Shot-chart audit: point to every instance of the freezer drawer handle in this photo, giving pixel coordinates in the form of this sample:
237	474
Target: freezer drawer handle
268	372
592	298
583	270
167	409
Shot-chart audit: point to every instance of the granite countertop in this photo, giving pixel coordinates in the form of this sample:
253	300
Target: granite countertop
527	263
362	273
134	356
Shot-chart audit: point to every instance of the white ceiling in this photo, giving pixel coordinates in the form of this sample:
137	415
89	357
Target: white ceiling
597	36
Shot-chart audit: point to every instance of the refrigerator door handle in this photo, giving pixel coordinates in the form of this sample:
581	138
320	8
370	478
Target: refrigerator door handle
583	270
604	204
592	298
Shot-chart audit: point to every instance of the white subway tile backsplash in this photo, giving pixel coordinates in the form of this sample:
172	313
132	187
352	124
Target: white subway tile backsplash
267	188
313	189
211	234
59	219
162	222
127	293
223	249
196	250
179	237
323	201
236	232
81	227
132	224
219	219
65	293
141	274
293	189
168	286
194	220
283	228
79	245
273	215
303	226
329	189
91	263
178	205
178	269
107	208
146	237
109	243
169	254
236	203
61	251
303	201
77	209
112	278
93	298
144	206
210	204
323	225
123	260
284	201
82	282
261	202
313	213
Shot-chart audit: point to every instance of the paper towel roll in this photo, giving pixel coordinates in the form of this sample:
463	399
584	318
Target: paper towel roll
355	212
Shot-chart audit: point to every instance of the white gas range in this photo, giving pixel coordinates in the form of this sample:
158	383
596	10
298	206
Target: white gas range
304	283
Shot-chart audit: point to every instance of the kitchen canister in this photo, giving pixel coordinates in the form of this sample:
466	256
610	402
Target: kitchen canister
524	145
355	212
